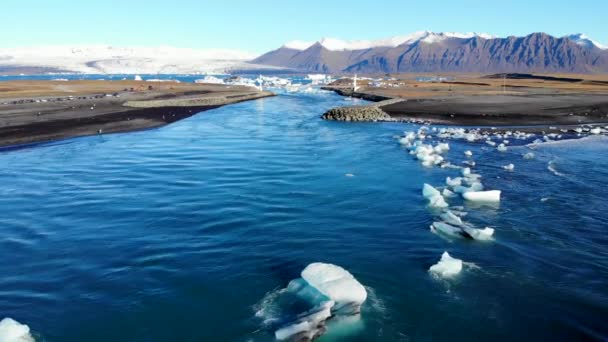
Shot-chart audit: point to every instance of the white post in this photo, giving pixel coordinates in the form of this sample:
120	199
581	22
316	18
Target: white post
355	83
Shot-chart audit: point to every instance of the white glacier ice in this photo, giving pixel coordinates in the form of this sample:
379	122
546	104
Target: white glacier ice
324	291
482	196
450	218
509	167
447	229
13	331
479	234
529	156
452	182
446	267
308	325
468	153
336	283
433	196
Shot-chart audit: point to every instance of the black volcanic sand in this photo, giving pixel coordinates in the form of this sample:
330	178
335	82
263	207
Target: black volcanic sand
40	118
504	110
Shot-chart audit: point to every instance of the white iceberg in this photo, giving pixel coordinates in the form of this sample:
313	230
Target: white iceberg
450	218
13	331
529	156
502	148
336	283
479	234
433	196
324	291
452	182
308	325
468	153
509	167
446	229
482	196
447	193
595	130
446	267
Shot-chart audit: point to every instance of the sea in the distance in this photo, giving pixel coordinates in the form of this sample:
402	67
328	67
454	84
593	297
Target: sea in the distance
179	233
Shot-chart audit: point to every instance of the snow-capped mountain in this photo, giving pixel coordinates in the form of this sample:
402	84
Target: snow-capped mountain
582	39
122	60
426	51
333	44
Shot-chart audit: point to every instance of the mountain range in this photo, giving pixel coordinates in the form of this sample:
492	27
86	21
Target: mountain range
421	51
426	51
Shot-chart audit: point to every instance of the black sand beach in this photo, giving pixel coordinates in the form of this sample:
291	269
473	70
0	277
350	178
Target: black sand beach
37	111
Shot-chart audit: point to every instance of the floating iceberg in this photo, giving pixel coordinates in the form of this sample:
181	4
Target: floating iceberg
451	218
447	229
482	196
479	234
446	267
433	196
468	153
308	325
13	331
502	148
337	284
453	182
509	167
529	156
324	291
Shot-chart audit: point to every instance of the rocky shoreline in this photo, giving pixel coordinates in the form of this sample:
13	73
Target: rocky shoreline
535	109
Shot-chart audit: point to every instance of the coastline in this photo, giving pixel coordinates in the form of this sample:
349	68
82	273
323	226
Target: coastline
469	103
43	111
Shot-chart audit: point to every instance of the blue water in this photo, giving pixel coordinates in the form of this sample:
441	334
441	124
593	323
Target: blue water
178	233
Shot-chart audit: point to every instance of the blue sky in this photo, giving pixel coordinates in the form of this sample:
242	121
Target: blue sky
261	25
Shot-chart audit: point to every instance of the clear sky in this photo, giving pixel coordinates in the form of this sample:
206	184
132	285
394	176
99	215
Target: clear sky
262	25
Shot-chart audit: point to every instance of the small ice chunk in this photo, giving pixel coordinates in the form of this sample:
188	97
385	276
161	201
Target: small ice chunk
137	78
447	193
529	156
433	196
450	218
468	153
428	191
502	148
482	196
447	266
595	130
446	229
479	234
509	167
441	148
453	182
491	143
13	331
466	171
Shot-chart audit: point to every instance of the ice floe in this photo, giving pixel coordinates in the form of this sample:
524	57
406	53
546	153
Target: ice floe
482	196
324	291
529	156
13	331
434	196
447	266
509	167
